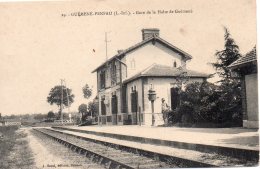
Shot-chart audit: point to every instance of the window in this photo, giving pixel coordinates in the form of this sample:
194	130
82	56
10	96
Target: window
174	64
102	79
133	88
108	69
113	74
103	106
132	63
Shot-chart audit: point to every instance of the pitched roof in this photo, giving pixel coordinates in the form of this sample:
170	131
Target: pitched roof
157	70
249	57
140	44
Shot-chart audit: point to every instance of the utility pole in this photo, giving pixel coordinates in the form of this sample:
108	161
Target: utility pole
106	73
67	98
106	41
61	103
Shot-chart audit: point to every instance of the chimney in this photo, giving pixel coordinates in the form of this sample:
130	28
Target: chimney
150	32
120	51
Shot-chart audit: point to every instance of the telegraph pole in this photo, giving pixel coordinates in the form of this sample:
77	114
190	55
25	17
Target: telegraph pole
106	75
106	41
67	93
61	103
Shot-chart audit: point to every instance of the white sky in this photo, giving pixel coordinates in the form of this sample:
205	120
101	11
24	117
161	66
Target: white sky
39	47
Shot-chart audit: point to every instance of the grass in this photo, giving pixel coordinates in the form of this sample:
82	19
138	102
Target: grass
14	149
7	142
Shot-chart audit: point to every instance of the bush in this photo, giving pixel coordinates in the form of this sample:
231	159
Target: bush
208	103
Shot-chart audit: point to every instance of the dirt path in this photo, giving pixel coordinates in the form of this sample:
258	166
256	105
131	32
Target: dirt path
42	156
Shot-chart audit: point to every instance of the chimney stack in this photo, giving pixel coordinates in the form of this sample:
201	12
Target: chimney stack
150	32
120	51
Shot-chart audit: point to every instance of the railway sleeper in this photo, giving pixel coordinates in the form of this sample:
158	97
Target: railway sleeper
116	164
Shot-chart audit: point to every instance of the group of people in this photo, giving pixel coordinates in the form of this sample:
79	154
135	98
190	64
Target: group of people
165	111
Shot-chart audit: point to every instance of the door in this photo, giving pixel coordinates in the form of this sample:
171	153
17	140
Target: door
175	98
114	104
134	106
114	109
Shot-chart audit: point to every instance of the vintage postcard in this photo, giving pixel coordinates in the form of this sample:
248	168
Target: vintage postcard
133	84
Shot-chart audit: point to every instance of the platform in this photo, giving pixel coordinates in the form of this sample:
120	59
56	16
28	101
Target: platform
236	142
226	137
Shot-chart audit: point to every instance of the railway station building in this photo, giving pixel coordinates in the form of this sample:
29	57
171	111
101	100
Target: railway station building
124	80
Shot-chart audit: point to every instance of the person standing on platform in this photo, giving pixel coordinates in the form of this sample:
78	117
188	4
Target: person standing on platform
165	110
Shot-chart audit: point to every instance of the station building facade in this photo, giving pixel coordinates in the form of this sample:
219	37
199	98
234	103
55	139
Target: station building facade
123	81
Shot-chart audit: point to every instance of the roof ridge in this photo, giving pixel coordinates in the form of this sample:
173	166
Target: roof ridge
156	70
148	68
143	42
251	51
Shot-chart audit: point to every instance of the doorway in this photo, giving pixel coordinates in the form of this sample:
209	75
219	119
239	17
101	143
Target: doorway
134	106
175	98
114	109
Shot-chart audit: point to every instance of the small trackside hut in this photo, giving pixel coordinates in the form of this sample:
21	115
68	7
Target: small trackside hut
246	66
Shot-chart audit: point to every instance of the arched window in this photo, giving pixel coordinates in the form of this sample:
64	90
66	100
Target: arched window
132	63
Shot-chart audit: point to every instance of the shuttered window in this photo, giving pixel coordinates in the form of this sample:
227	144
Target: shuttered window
103	107
102	79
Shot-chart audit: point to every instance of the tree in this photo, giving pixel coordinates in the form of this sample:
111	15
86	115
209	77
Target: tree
93	109
25	116
87	91
50	115
55	96
229	101
83	109
39	117
225	57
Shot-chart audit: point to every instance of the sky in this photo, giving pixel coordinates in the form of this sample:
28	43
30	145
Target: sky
39	46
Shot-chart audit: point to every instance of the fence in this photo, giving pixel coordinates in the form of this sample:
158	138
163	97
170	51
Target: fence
63	122
133	118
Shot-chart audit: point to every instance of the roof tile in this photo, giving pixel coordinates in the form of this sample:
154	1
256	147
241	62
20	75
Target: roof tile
157	70
249	57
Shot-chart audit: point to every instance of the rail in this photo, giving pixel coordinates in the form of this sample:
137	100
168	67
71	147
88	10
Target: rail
107	155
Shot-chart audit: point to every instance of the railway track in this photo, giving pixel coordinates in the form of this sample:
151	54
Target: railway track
105	155
114	155
70	158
